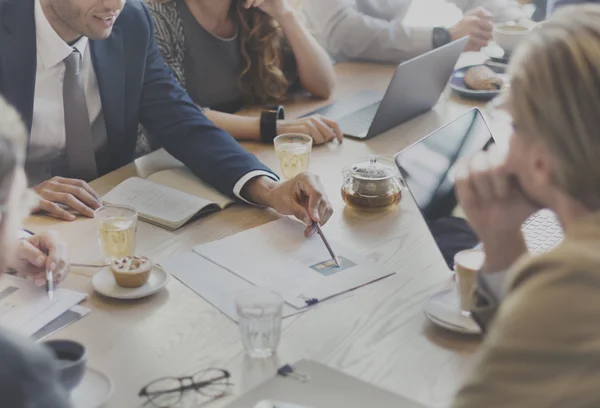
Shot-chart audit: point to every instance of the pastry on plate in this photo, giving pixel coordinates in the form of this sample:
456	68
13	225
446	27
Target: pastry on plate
483	78
131	271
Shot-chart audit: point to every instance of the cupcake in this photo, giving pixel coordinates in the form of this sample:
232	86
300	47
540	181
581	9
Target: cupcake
131	271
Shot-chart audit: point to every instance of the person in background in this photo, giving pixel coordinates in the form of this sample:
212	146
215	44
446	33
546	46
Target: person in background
84	74
28	374
555	4
374	30
540	313
232	53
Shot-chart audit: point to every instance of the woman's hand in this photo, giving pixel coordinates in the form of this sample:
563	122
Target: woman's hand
495	206
38	253
322	130
274	8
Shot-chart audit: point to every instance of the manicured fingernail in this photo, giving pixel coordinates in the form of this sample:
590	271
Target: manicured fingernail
53	266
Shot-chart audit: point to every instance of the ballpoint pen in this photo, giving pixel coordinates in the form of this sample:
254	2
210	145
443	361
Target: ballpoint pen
320	232
50	284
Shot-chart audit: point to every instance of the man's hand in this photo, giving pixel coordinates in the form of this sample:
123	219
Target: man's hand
322	130
303	197
38	253
75	194
477	25
495	206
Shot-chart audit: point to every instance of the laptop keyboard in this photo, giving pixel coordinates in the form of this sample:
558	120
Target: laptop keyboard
542	232
358	123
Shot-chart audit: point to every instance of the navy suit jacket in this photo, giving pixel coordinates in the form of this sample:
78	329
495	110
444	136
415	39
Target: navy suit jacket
135	87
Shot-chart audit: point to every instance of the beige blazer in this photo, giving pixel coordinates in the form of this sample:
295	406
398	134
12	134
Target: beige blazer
542	348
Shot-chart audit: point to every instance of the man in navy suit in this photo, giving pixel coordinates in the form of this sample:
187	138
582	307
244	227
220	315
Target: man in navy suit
84	74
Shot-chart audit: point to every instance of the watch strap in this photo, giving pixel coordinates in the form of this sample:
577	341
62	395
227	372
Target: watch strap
268	122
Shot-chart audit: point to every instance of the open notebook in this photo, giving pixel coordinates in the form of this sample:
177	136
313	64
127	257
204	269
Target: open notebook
168	198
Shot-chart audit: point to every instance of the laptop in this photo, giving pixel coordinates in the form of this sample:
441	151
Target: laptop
414	89
427	169
314	385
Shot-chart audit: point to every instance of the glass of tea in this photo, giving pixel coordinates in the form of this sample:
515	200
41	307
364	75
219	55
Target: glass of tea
293	151
117	226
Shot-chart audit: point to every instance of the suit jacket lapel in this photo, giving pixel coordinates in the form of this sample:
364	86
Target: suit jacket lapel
110	68
18	55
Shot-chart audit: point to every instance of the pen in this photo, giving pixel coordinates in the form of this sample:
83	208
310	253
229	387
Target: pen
320	232
50	284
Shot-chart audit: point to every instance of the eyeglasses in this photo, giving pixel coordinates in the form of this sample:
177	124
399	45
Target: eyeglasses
165	392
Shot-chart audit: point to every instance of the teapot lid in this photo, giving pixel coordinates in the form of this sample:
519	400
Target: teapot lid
375	168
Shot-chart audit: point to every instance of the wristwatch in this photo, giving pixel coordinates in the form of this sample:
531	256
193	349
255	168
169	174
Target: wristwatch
441	36
268	122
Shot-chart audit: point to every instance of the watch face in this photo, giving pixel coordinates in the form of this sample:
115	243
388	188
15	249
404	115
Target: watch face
441	36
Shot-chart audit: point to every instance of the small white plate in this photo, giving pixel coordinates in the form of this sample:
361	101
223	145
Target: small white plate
443	310
94	391
105	284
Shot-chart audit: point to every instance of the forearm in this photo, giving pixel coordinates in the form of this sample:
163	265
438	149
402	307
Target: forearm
314	65
240	127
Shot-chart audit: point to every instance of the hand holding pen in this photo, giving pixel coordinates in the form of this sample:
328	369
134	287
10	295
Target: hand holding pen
40	257
329	249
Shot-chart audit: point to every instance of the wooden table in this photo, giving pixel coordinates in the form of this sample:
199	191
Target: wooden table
377	333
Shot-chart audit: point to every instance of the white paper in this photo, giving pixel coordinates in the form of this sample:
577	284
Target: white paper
25	308
182	179
216	285
155	201
66	319
278	256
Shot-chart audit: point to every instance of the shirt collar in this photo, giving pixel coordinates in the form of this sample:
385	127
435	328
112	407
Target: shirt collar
51	49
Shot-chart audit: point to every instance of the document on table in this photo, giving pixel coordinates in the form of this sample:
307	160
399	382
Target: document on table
216	285
277	256
25	308
66	319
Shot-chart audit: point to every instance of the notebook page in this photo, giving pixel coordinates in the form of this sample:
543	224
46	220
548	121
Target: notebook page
182	179
155	201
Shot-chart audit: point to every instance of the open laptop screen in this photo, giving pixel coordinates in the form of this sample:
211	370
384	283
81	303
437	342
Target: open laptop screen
428	171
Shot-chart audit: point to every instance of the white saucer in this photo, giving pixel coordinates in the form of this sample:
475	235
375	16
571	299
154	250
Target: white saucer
443	310
105	284
94	391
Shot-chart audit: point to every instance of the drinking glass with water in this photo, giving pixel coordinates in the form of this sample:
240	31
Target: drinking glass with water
293	151
259	317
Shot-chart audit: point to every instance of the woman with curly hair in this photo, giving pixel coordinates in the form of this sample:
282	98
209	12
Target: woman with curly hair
231	53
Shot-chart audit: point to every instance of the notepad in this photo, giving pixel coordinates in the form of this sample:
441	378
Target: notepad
25	308
168	198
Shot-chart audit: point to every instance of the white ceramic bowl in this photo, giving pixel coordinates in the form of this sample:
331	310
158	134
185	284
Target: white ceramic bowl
508	36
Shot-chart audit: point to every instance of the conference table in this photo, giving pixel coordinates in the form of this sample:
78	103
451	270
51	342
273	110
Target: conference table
377	333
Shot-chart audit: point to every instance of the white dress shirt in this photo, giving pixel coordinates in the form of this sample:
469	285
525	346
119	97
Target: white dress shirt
374	29
47	149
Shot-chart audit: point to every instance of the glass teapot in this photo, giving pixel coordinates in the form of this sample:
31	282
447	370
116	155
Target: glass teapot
372	184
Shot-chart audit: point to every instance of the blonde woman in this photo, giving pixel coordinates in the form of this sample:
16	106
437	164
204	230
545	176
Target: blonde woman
542	347
28	374
231	53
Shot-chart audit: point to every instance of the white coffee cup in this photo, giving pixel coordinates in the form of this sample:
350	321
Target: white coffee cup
466	266
509	35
